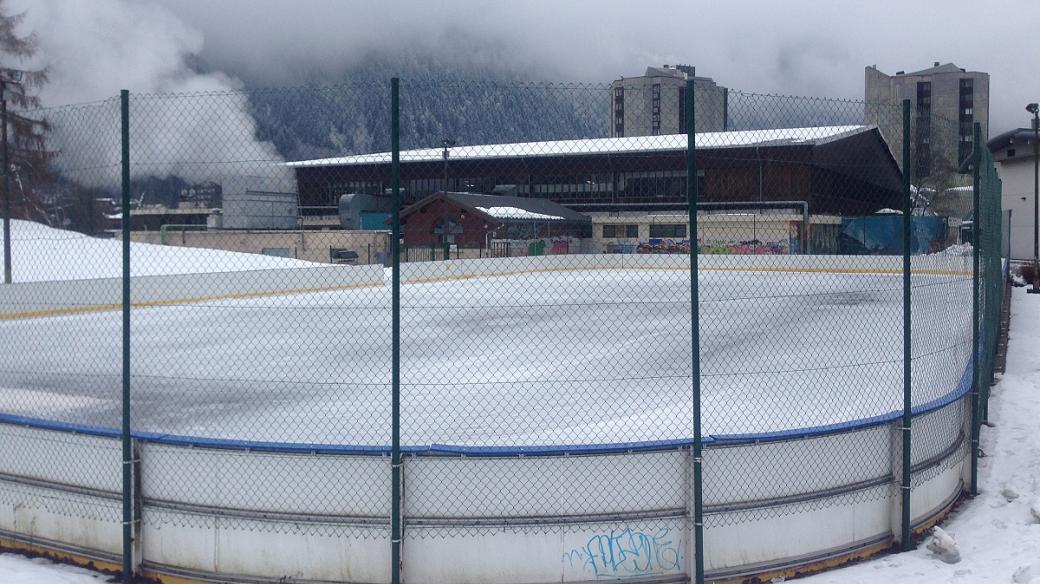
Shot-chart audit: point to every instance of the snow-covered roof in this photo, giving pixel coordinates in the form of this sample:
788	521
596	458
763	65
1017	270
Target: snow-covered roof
517	213
704	140
505	208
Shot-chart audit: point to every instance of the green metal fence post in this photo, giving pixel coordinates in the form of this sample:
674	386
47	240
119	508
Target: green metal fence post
691	199
989	294
907	346
6	184
128	518
976	288
395	381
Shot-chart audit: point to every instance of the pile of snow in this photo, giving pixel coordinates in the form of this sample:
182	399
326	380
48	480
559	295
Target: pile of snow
15	569
41	253
943	546
517	213
959	249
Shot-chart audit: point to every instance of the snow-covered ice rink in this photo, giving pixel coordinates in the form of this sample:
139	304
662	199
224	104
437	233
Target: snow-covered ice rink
574	357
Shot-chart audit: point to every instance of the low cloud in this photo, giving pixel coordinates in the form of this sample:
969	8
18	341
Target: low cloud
94	49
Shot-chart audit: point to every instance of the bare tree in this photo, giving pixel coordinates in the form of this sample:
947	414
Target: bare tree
934	167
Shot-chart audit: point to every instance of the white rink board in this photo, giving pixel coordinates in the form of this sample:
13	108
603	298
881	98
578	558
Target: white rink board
215	510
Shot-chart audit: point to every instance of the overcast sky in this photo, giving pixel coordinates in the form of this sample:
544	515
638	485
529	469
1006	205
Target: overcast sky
804	47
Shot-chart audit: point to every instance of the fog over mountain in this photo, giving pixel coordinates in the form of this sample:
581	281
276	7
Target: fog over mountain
799	47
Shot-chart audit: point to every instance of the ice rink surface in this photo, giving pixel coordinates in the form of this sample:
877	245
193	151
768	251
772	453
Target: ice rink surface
577	357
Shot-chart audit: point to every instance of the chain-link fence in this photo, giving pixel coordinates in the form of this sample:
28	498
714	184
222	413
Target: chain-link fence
464	331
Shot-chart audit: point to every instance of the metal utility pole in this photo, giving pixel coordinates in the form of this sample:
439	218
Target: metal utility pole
446	143
1035	110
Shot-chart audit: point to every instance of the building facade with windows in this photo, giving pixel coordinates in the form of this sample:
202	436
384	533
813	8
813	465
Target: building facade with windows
652	104
946	102
472	220
643	174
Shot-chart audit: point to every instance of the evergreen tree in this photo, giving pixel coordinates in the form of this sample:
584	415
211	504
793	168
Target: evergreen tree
27	155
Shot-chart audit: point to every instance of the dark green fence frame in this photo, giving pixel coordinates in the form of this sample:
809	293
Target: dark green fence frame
988	281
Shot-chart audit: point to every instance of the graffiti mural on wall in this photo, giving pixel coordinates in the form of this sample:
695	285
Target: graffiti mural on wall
555	246
752	247
627	553
656	245
673	246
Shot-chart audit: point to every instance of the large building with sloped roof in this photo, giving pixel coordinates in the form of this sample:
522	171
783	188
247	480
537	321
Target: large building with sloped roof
835	169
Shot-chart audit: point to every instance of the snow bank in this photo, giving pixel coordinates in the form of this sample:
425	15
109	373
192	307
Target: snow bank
15	569
960	249
41	253
943	546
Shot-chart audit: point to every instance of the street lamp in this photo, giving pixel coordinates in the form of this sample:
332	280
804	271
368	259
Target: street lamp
446	143
1035	110
15	77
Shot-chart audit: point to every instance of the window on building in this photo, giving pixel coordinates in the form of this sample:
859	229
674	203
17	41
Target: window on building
655	97
667	230
616	231
619	111
1010	152
924	95
682	110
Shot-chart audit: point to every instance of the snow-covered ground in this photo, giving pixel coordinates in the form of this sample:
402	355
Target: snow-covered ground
15	569
997	534
42	253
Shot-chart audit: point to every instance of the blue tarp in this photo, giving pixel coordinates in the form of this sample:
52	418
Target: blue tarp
883	235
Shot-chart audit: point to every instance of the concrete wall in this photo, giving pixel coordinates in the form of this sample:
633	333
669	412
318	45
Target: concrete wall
260	210
32	299
718	233
312	246
1018	196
